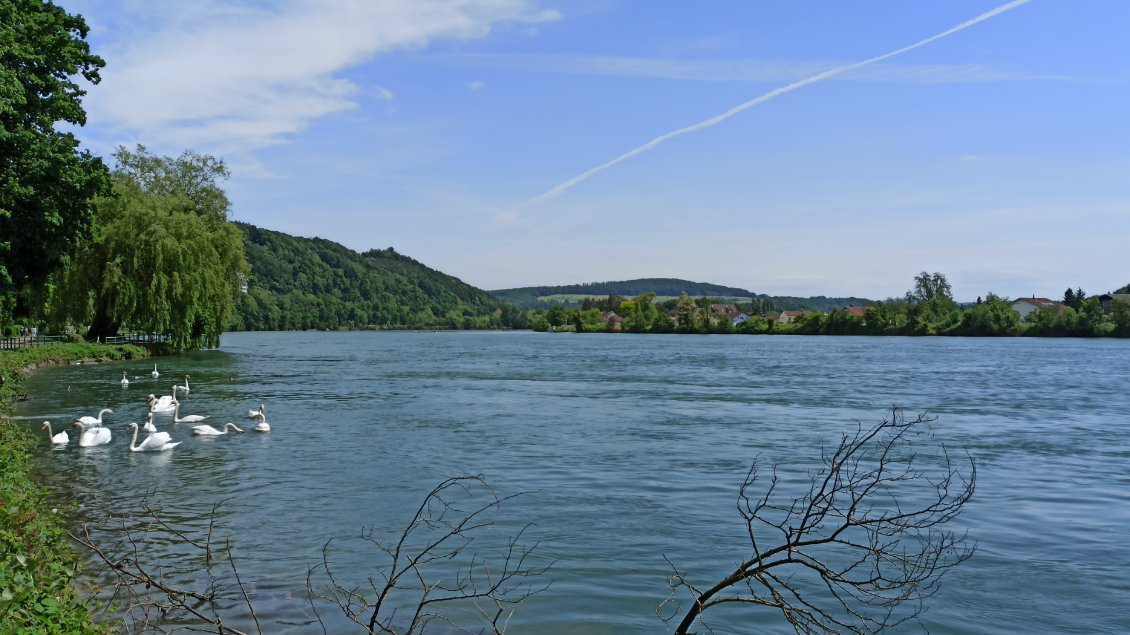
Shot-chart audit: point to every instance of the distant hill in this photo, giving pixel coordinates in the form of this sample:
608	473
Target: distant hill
663	288
312	283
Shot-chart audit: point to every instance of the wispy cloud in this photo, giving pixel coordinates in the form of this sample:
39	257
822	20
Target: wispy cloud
247	75
738	70
477	85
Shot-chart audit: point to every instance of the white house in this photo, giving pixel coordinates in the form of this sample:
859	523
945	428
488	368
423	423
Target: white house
1024	306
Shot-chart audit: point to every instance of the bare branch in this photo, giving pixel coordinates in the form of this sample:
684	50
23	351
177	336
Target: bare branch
863	547
431	570
141	581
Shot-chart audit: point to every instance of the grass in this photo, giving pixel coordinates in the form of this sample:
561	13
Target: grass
37	564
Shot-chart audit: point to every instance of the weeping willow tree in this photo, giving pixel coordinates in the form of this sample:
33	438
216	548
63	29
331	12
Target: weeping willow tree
165	258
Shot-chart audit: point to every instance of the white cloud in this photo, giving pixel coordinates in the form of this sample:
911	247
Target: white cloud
477	85
385	94
247	75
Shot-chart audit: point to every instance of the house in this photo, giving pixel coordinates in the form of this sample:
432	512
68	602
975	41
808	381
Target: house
1024	306
611	319
729	310
739	318
1107	298
787	317
857	311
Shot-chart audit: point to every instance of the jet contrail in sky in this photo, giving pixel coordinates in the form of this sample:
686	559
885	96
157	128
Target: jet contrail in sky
560	189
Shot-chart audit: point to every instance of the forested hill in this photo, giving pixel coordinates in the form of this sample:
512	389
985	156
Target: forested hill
534	297
306	283
528	297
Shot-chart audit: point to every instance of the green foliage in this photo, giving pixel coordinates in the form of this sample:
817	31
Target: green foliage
37	566
928	287
166	259
46	184
311	283
1120	317
589	321
688	316
992	317
191	177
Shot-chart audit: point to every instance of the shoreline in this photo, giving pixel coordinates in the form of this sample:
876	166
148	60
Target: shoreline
38	564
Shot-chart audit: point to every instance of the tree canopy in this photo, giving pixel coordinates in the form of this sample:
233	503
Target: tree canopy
46	183
166	259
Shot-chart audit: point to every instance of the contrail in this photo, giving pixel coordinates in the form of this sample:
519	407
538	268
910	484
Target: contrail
560	189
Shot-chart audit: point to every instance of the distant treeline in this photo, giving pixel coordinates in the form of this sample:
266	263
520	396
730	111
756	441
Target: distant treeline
311	283
927	310
573	295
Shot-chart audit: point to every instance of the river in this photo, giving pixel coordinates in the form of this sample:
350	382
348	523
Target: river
624	450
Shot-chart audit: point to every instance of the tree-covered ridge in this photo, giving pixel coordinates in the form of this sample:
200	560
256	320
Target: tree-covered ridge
312	283
543	297
659	286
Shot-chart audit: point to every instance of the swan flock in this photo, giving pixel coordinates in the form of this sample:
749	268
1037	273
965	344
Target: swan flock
91	431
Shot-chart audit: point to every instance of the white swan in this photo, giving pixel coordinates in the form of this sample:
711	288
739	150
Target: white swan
212	432
155	374
149	427
125	380
56	439
93	436
251	414
88	420
182	388
186	419
262	426
162	404
156	442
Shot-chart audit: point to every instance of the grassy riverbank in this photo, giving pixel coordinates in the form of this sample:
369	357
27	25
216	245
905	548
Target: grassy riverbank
37	564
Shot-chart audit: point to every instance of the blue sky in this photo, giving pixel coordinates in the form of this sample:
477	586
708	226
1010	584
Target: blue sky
998	154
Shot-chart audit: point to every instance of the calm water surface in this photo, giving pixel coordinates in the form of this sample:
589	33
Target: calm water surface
628	448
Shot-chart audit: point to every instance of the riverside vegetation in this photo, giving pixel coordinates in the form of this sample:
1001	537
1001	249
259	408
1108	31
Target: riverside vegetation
928	309
37	565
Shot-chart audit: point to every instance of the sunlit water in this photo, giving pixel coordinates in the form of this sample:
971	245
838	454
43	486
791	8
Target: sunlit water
626	448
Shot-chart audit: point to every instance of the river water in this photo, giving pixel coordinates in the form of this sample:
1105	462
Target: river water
625	450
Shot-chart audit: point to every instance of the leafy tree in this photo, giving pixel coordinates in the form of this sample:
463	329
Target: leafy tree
557	315
191	176
46	183
588	321
1050	322
933	312
165	261
1069	298
888	318
994	316
1120	317
687	315
1092	322
928	286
